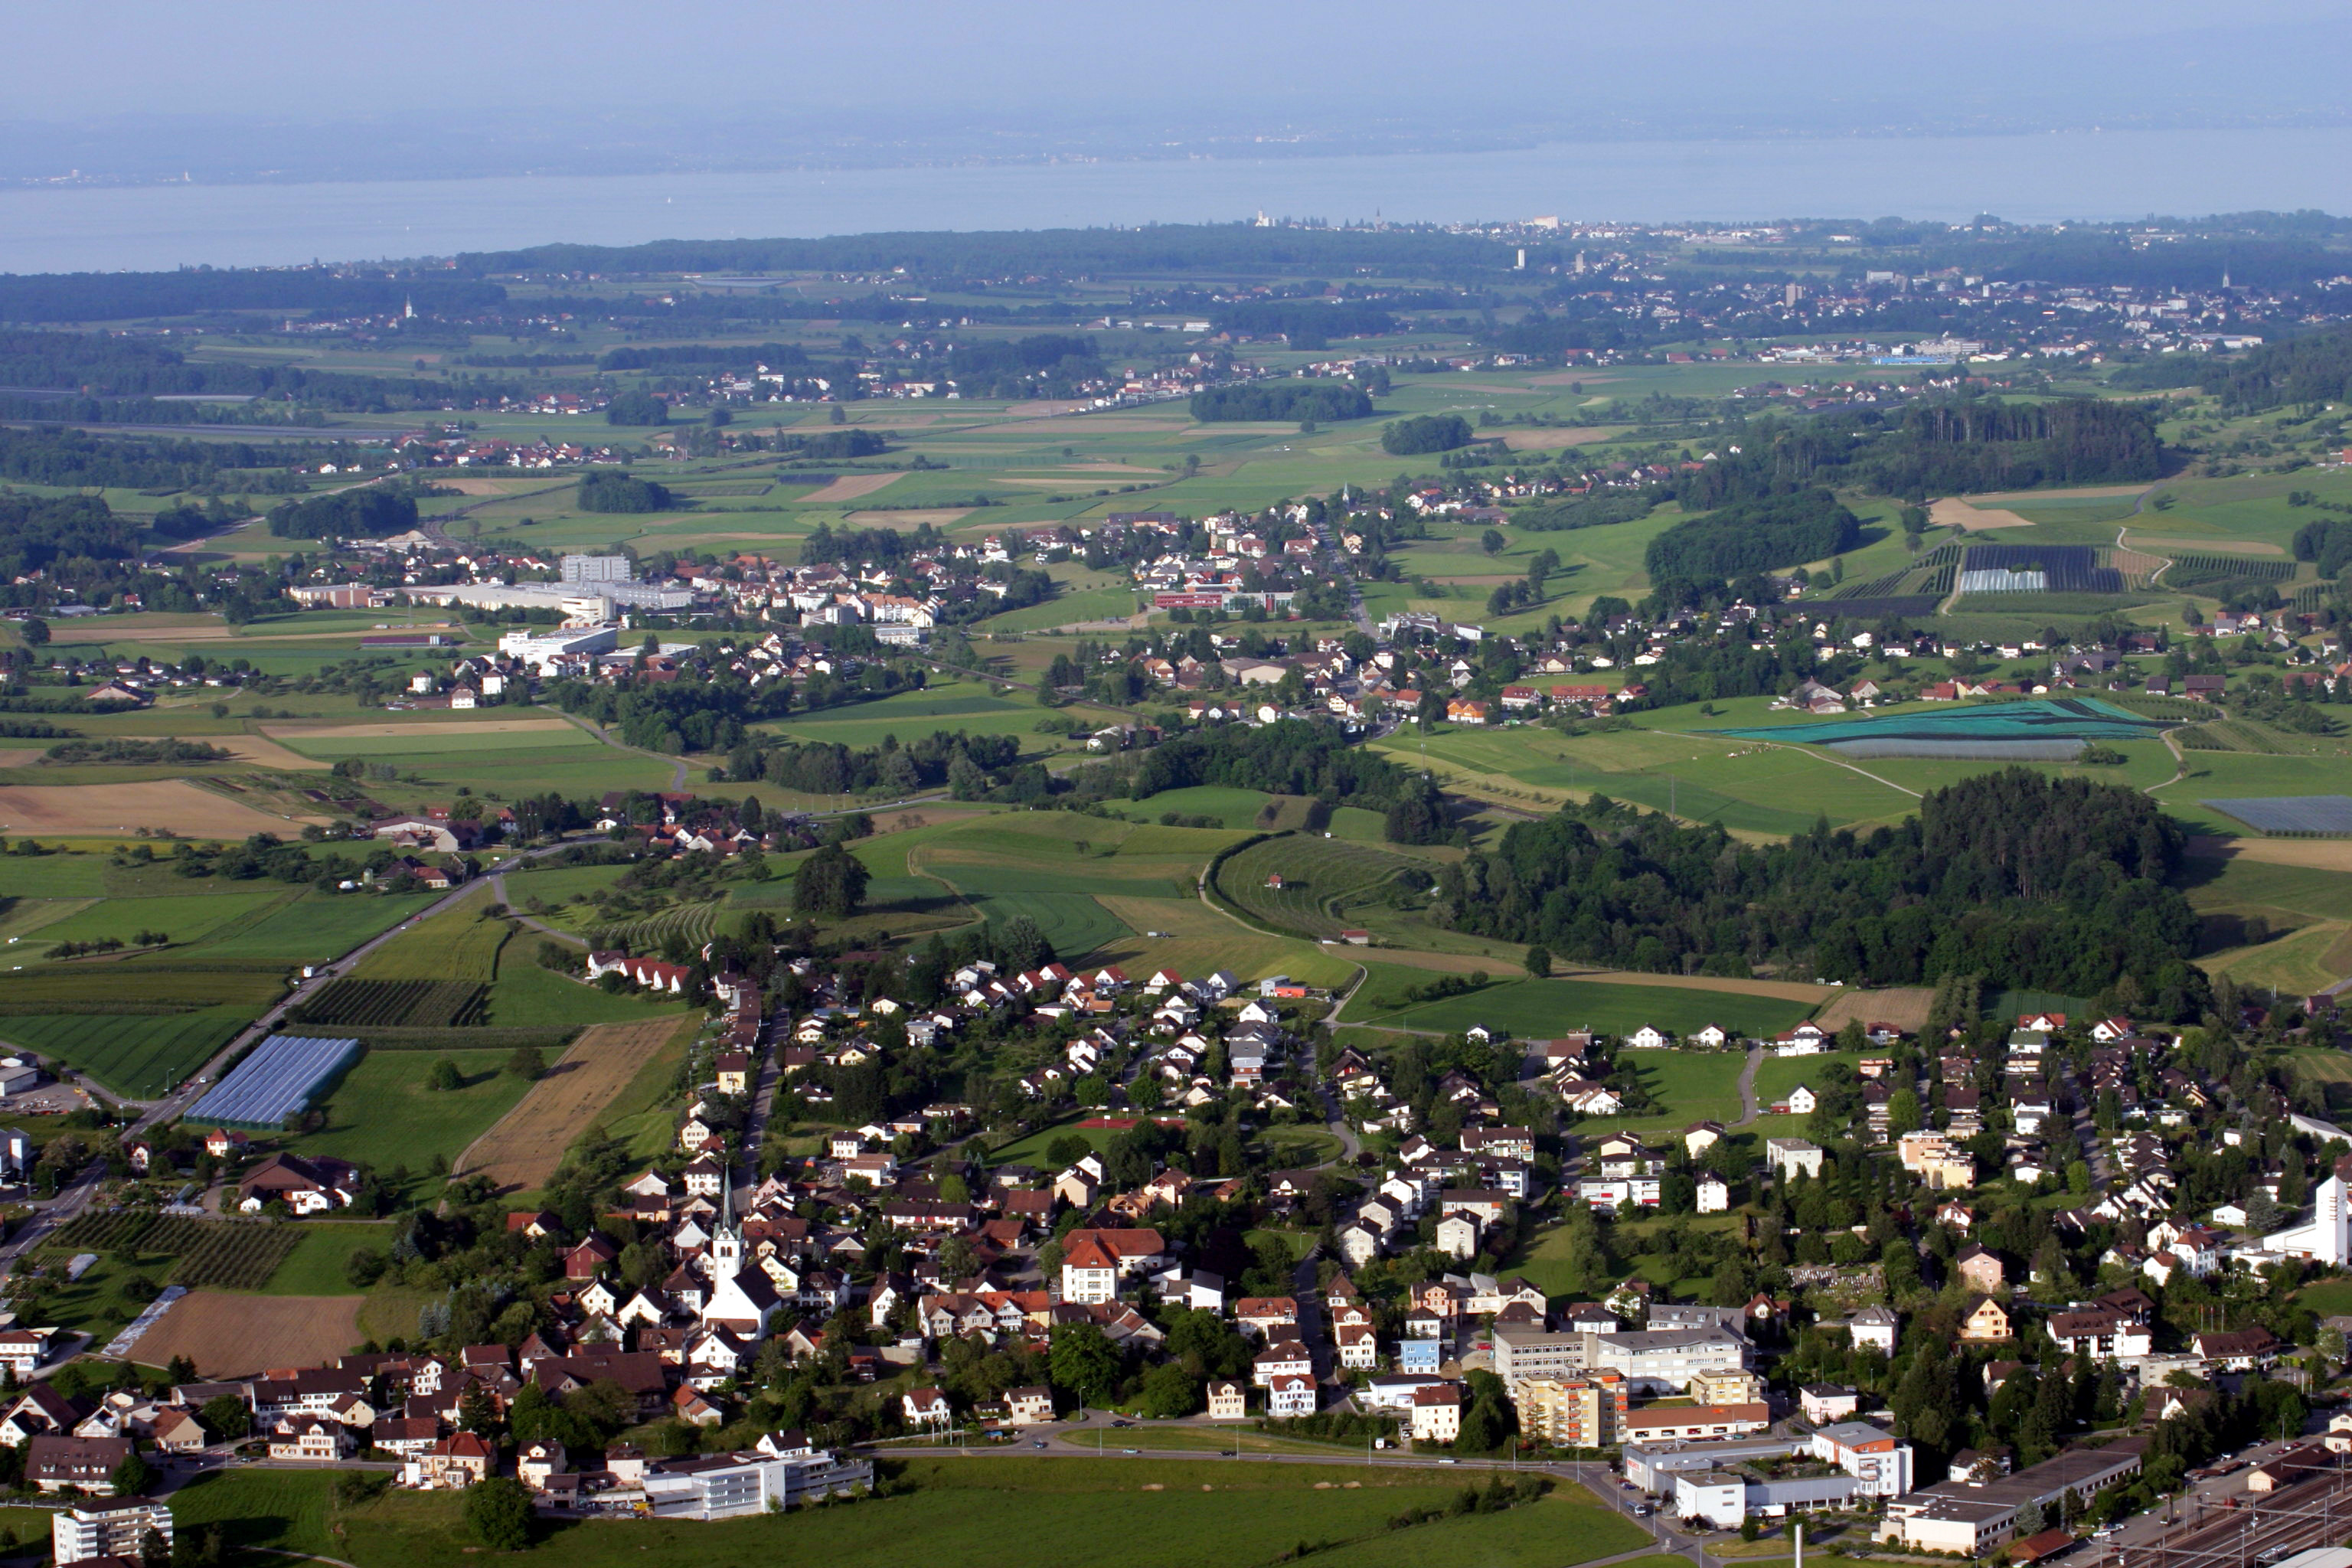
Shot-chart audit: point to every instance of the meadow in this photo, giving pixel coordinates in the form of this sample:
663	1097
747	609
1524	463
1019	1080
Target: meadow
383	1113
1541	1009
993	1513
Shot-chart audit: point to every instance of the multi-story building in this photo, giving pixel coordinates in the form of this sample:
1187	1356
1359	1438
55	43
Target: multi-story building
1586	1412
112	1527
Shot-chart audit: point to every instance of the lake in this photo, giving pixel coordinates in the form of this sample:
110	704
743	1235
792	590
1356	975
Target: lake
2038	179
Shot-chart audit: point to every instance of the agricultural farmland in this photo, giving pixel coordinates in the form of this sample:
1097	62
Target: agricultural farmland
233	1254
523	1149
1317	878
394	1004
236	1336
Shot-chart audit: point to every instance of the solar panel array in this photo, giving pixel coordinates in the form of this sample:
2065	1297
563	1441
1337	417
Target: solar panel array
2292	813
274	1081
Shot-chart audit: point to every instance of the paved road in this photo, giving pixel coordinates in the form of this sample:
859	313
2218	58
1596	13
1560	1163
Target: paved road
1748	1109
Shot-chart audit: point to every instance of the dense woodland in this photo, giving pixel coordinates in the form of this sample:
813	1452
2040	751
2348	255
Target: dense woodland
1290	398
1951	446
2055	884
2303	371
371	511
1751	535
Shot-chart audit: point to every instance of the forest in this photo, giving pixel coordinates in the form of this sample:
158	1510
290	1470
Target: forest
114	296
56	457
2301	372
1289	398
1751	535
604	491
1289	757
371	511
37	530
2055	884
1953	445
1049	364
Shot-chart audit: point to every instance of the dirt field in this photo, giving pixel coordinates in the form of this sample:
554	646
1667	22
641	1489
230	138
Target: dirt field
2319	854
253	749
2080	493
172	804
523	1149
1905	1007
1975	520
423	727
849	487
17	756
231	1335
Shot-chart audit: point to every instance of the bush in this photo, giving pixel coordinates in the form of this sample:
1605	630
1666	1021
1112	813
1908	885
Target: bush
498	1513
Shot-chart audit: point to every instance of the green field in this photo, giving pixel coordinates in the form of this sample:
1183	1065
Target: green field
316	928
990	1512
381	1114
1230	808
455	945
142	1057
527	994
1540	1009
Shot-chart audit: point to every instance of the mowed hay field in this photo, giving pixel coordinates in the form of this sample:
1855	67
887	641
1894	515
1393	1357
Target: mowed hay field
231	1335
1905	1006
172	804
522	1151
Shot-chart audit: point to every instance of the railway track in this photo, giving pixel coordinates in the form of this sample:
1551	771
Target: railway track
2263	1527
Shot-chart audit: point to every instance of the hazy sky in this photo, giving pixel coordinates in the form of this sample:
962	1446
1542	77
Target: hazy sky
718	81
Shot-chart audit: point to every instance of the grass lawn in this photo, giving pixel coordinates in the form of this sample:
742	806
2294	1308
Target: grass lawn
315	1266
984	1513
383	1115
1689	1086
1031	1150
527	994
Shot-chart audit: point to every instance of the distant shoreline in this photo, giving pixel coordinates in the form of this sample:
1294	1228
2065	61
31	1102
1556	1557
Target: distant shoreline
2090	175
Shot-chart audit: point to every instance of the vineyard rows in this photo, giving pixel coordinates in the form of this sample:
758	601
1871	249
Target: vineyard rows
232	1255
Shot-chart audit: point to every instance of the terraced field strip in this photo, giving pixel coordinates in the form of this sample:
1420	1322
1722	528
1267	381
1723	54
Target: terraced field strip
1298	884
523	1149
